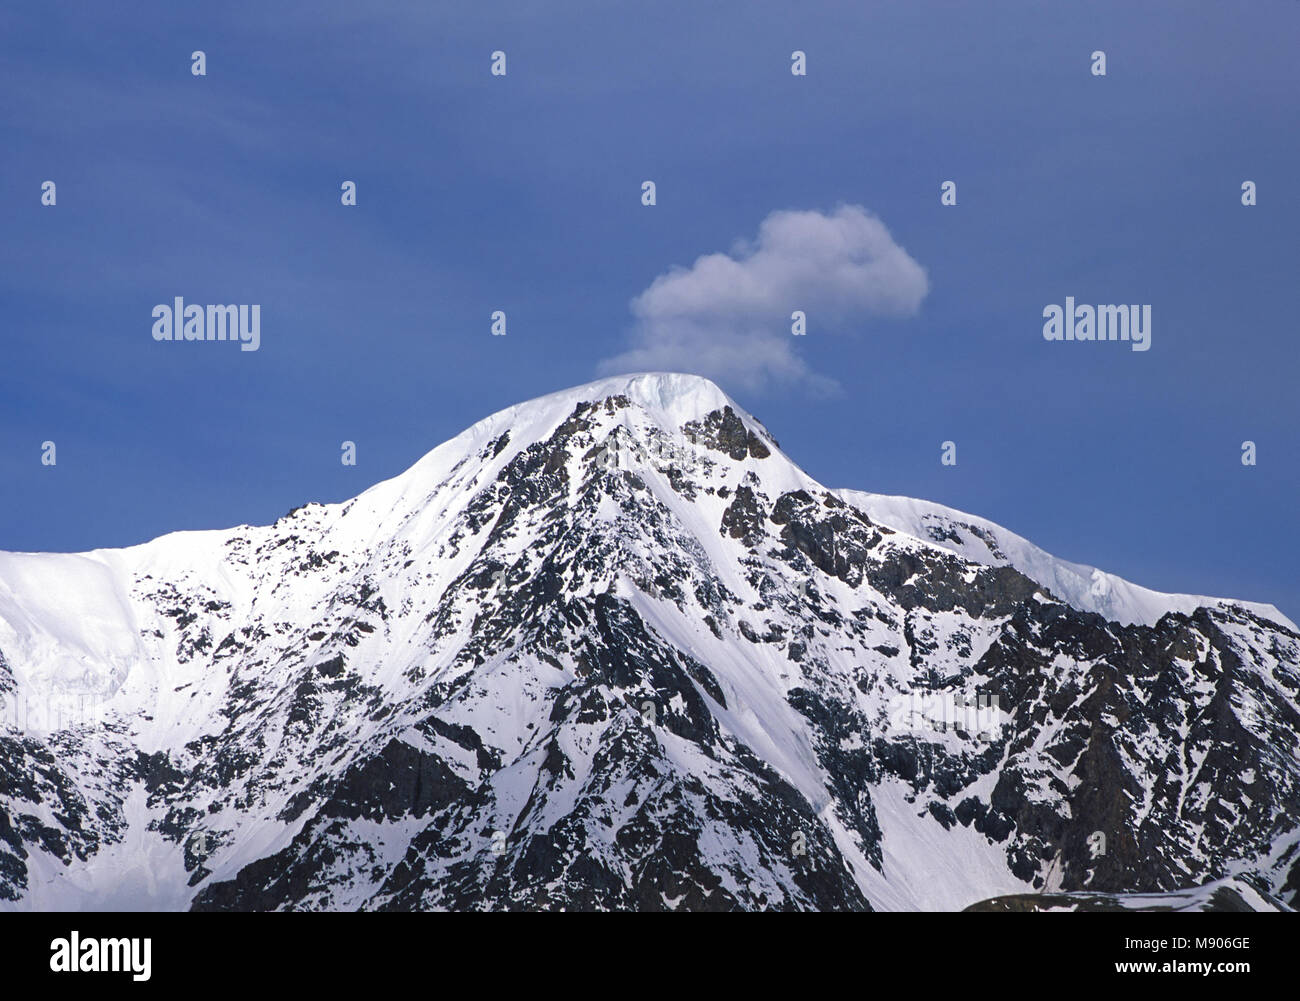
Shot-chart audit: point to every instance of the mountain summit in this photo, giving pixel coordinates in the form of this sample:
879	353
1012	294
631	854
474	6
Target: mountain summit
611	648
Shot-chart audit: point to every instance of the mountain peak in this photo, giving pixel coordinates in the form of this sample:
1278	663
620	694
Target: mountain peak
674	398
668	400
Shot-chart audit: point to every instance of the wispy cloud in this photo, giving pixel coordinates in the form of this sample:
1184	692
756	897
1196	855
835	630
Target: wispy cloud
729	315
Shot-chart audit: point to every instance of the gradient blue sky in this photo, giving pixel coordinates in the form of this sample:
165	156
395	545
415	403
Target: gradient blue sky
479	193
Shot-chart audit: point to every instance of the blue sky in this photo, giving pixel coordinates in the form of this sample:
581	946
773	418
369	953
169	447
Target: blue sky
522	193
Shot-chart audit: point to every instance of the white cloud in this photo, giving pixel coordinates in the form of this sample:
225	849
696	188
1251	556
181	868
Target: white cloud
728	315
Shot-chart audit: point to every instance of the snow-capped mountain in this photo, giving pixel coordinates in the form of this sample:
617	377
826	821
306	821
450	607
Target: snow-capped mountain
612	649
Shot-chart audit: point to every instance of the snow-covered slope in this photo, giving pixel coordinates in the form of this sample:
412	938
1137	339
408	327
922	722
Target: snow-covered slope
612	648
981	541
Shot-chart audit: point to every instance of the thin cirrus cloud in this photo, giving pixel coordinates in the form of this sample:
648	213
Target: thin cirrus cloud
728	316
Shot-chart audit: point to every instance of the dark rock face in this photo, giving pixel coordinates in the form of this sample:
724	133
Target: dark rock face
725	432
743	519
619	666
13	866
